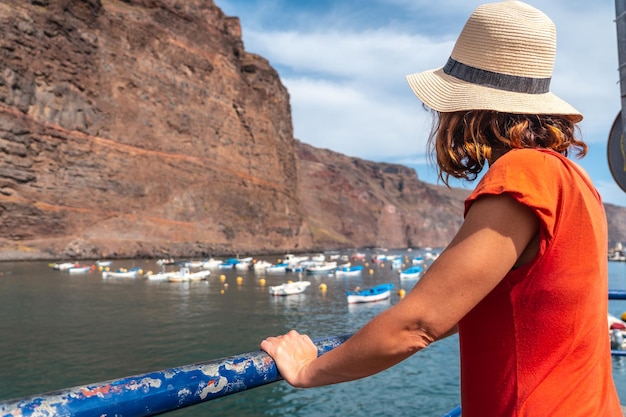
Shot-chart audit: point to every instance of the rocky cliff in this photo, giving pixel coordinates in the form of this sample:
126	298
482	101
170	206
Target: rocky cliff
143	128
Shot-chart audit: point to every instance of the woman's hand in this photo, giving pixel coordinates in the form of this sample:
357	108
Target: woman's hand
293	353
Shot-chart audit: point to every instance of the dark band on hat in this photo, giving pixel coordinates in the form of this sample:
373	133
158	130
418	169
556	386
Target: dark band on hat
496	80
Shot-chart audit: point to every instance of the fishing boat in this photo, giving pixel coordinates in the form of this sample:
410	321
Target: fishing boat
159	276
260	265
413	272
63	266
377	293
212	263
184	275
289	288
122	273
349	271
80	269
280	268
322	268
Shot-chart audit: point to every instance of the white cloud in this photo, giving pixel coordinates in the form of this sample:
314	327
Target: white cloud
344	63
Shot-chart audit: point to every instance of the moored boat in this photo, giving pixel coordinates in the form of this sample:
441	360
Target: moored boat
80	269
377	293
350	270
184	275
280	268
413	272
289	288
123	273
322	268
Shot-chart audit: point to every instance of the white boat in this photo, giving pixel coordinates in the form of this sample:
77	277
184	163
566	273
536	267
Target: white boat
63	266
212	263
243	264
132	273
261	265
104	263
323	268
320	257
349	271
277	268
183	275
160	276
289	288
377	293
413	272
79	269
617	332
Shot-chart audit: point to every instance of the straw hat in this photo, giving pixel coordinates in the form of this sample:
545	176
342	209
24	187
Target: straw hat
502	61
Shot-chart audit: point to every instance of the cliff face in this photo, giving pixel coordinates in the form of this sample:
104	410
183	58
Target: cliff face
139	127
143	128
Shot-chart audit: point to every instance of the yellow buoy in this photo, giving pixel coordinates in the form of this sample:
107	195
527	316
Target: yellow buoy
401	292
323	286
624	316
222	278
221	291
371	271
239	280
262	281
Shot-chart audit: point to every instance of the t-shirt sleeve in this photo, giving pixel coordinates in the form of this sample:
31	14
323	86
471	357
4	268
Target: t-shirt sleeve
527	175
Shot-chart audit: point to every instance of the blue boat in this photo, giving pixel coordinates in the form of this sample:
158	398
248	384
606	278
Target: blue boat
349	270
377	293
413	272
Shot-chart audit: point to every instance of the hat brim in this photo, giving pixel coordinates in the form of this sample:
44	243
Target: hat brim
445	93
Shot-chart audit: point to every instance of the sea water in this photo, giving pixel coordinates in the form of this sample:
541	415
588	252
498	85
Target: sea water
59	330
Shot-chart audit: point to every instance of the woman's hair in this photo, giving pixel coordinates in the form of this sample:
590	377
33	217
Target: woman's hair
462	142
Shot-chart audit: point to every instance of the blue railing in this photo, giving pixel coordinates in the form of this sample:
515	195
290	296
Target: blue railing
174	388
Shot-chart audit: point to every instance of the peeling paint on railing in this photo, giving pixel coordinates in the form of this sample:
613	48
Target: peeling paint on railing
160	391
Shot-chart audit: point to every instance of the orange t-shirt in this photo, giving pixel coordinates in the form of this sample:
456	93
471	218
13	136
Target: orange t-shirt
538	344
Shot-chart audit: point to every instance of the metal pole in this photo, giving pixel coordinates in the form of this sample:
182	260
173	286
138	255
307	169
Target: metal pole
620	24
160	391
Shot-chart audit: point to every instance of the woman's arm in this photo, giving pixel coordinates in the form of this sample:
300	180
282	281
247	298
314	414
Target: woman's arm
495	232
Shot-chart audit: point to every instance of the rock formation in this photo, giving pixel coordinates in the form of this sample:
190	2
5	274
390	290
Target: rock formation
142	128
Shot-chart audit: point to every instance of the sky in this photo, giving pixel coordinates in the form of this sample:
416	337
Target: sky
344	63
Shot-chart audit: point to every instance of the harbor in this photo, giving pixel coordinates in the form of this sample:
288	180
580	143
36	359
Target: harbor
60	330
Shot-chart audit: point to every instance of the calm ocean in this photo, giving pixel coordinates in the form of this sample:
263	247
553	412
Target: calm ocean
59	330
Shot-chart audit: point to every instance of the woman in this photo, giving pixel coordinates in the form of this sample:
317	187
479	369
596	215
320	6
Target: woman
524	281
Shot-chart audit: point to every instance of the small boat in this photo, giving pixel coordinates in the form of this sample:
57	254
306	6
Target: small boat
212	263
349	271
123	273
280	268
377	293
229	263
261	265
81	269
159	276
396	264
244	264
183	275
617	332
413	272
289	288
63	266
322	268
104	263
